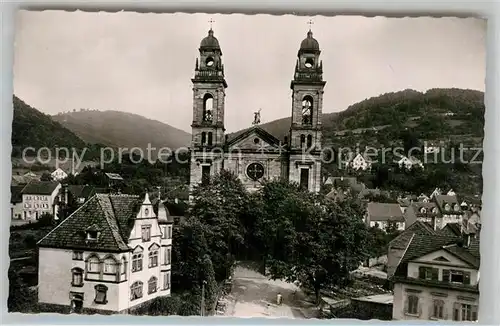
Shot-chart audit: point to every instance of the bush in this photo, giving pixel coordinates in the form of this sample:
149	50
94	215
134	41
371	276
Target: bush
30	241
21	298
165	306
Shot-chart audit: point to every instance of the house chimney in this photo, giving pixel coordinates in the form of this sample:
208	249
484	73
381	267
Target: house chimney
434	223
65	194
466	239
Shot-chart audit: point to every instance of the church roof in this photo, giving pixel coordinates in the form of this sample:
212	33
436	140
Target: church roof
210	42
259	131
309	43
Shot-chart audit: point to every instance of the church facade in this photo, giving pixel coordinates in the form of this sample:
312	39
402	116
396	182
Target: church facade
255	155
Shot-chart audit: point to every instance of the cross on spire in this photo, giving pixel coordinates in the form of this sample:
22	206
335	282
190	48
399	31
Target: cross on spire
310	23
211	21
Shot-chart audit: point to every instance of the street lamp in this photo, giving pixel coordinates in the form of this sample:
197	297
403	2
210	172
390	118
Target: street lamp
202	308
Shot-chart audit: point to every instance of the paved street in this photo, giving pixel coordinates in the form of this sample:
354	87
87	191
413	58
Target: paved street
253	295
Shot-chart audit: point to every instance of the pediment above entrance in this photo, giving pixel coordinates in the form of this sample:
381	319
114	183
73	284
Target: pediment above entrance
255	139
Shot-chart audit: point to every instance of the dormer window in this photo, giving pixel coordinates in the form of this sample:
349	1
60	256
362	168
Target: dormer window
92	235
457	208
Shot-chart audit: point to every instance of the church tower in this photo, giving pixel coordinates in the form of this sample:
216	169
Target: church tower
209	87
307	102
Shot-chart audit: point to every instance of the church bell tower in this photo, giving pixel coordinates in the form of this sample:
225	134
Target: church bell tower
307	102
208	129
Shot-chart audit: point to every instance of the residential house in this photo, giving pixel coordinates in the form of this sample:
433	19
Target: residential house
410	163
430	148
398	245
451	193
473	217
21	180
385	216
367	193
404	203
337	194
435	193
359	162
59	174
437	279
449	210
423	198
112	255
16	202
468	202
39	198
459	229
345	182
421	211
114	180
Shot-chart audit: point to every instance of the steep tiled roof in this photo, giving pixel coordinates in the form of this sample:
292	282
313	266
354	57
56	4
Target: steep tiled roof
424	244
384	212
468	254
402	240
442	200
40	188
421	245
111	215
452	229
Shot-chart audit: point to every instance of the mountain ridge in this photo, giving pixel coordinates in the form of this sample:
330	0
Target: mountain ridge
122	129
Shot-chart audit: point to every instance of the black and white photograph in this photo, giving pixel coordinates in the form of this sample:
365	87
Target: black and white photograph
231	165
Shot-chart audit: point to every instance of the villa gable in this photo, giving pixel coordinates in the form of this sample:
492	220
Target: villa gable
442	257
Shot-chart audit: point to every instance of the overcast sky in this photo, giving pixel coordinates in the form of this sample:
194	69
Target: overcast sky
143	63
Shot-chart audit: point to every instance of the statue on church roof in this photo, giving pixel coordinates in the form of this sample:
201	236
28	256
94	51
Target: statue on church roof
256	117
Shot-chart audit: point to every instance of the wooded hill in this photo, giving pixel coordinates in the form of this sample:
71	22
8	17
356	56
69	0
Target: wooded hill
121	129
32	128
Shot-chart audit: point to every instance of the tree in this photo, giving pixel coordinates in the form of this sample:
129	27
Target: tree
188	255
310	238
410	142
66	209
219	205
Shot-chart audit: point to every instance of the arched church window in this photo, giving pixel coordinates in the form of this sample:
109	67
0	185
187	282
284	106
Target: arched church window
203	138
302	140
210	139
208	104
309	141
307	109
309	63
209	62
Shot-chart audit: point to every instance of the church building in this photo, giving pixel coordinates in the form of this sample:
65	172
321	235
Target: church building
255	155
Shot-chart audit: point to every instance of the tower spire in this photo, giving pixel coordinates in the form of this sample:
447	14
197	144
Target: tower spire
211	21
